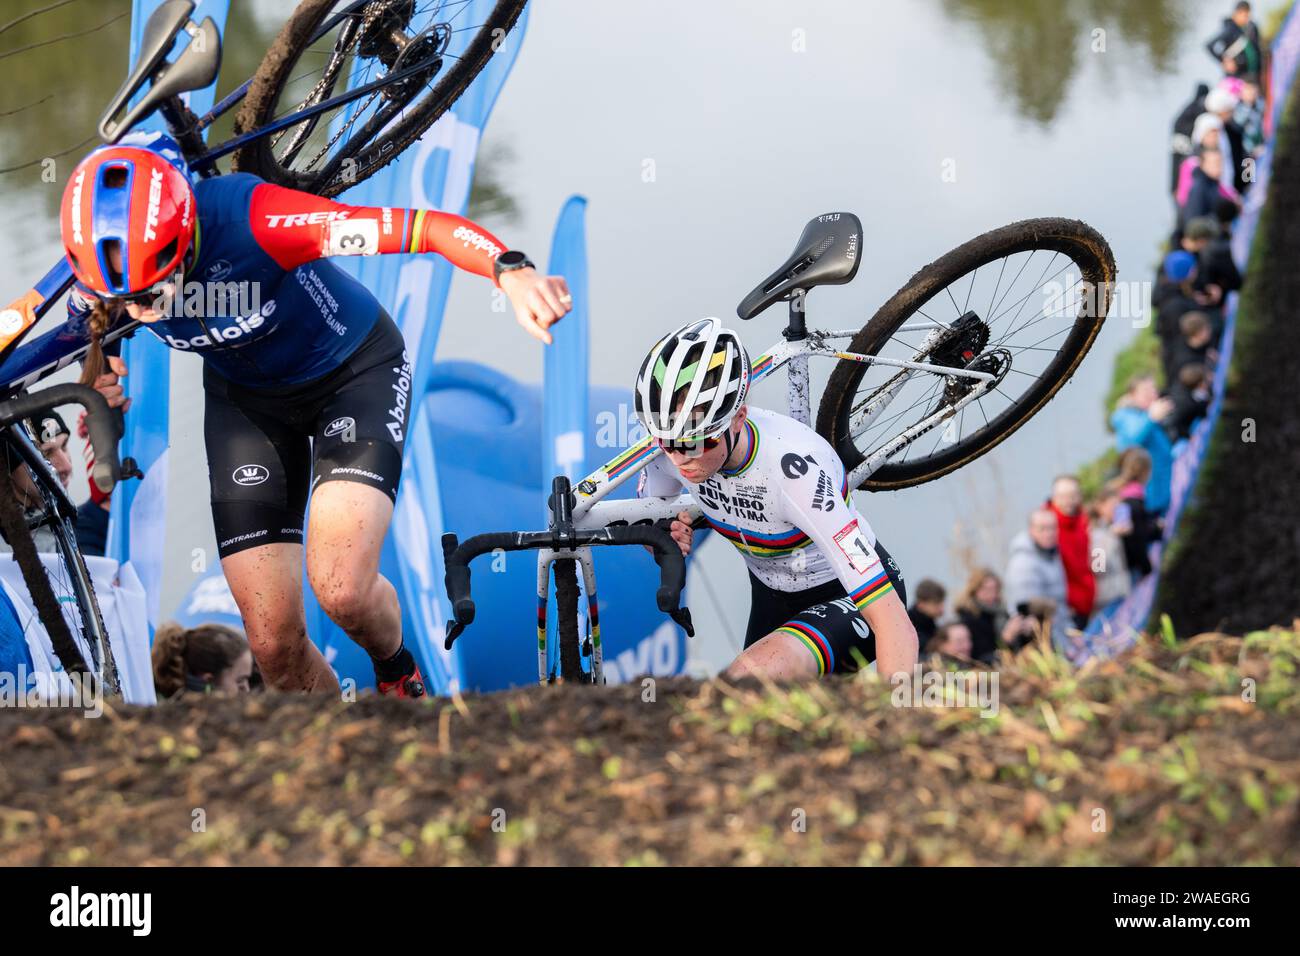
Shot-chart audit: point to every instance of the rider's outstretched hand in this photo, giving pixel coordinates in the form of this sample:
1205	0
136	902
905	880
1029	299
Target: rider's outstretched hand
539	301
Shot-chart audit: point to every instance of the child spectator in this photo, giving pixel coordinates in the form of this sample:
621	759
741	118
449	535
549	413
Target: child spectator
927	610
1108	563
1138	421
952	639
210	658
1174	296
1195	346
1191	397
1208	183
1250	117
1216	270
1134	522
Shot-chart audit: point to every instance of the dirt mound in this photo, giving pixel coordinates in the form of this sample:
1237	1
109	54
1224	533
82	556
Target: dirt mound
1158	757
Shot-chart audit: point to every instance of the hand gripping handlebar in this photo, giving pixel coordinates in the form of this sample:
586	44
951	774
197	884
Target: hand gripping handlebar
562	536
103	426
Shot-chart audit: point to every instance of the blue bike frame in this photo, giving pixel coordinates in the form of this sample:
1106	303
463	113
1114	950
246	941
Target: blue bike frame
21	366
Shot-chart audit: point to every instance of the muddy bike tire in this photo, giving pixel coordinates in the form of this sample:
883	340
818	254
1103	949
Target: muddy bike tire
1096	263
47	604
566	622
278	68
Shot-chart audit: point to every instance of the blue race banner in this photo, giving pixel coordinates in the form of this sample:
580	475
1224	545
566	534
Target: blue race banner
137	529
435	173
564	389
564	377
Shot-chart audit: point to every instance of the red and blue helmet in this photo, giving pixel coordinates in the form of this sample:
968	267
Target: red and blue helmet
135	198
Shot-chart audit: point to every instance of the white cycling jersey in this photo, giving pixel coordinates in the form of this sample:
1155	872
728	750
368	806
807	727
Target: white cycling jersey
786	508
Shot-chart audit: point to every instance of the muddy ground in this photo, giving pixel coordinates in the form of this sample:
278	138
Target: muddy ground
1154	758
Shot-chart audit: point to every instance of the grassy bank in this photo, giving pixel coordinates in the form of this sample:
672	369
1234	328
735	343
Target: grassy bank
1158	757
1233	560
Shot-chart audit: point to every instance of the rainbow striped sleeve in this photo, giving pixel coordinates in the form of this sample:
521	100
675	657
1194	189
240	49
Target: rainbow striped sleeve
872	590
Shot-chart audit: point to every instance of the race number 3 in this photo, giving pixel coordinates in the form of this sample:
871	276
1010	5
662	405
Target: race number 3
351	237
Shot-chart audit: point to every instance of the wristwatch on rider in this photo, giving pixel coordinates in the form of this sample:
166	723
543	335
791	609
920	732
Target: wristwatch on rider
509	262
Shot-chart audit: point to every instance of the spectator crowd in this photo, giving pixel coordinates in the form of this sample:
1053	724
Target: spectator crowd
1079	558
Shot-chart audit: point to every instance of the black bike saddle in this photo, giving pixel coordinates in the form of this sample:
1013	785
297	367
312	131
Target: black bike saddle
826	254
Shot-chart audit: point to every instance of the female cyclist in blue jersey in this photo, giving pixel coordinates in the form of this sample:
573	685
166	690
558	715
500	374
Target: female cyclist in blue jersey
307	390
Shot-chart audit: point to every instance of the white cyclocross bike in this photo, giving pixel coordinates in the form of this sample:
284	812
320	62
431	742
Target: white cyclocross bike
964	354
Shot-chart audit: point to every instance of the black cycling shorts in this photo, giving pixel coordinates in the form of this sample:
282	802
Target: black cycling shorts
268	447
824	618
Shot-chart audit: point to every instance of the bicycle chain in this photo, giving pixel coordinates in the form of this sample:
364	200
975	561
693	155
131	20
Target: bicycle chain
370	17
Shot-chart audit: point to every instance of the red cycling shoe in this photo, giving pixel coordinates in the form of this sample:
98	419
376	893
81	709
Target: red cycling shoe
409	685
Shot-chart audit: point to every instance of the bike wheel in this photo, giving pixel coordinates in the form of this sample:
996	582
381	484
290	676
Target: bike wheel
566	622
423	40
965	310
59	585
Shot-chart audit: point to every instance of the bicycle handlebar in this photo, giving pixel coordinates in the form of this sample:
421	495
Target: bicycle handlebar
458	555
103	427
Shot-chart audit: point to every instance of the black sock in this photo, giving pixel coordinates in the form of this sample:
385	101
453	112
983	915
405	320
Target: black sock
396	667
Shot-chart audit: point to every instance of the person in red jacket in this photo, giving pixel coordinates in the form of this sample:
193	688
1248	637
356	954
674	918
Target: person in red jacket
1066	503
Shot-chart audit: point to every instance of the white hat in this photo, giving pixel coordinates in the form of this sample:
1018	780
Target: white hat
1219	101
1204	124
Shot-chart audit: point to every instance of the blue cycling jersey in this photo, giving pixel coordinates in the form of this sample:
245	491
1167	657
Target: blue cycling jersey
254	321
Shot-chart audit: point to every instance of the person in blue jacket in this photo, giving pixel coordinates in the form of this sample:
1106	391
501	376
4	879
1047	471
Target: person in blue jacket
15	657
1138	422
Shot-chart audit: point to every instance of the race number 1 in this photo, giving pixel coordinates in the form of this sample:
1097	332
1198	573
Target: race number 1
854	547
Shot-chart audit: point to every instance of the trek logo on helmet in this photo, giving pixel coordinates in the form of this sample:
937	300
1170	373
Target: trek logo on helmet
78	184
155	200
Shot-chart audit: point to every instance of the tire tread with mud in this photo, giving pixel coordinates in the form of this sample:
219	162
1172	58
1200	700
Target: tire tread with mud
276	68
1069	236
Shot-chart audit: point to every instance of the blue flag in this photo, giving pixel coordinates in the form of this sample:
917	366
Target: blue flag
434	173
136	533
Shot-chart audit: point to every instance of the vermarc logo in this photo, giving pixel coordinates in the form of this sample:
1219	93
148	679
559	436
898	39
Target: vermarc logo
250	474
339	426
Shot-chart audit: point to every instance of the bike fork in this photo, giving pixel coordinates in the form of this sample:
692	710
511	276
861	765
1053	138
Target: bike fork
548	670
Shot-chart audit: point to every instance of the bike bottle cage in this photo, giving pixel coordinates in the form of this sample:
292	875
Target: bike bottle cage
826	254
195	68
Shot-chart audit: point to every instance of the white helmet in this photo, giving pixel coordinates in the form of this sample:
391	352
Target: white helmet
692	382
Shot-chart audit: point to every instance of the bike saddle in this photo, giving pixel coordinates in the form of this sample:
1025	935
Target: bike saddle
826	254
195	68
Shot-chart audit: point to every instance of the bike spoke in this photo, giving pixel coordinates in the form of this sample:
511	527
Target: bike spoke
1006	340
308	146
971	288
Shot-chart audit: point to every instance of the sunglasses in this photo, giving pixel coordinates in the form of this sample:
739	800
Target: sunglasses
689	447
145	300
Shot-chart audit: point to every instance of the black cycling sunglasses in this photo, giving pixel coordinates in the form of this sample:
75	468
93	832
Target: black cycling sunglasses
689	447
144	299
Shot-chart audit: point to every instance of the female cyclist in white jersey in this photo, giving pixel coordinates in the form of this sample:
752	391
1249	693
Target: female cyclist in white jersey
826	596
